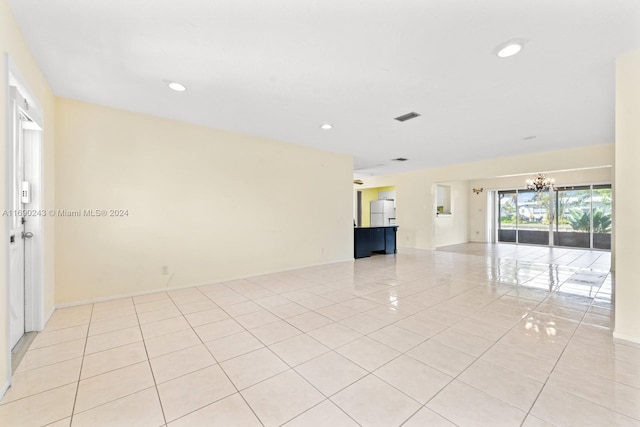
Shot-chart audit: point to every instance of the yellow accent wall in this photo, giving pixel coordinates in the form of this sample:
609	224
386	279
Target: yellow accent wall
13	46
210	205
368	195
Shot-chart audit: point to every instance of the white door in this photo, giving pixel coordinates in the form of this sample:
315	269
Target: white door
17	218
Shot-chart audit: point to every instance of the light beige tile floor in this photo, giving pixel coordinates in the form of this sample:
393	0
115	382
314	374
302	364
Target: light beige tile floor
472	334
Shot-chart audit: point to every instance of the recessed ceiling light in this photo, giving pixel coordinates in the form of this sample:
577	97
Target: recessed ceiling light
326	126
508	49
178	87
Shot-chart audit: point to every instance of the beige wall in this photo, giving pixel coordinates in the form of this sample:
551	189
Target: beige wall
13	45
415	208
211	205
627	200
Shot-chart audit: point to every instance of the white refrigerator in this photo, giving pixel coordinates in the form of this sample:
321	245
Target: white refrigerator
382	213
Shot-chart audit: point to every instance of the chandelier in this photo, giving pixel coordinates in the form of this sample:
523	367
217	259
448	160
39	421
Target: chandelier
540	183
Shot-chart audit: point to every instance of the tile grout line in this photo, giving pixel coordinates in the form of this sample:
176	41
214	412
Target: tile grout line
539	302
292	368
480	356
333	321
155	383
584	314
422	342
276	355
75	399
371	373
118	398
220	366
573	394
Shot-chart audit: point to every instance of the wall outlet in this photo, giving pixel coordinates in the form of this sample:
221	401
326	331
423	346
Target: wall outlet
165	270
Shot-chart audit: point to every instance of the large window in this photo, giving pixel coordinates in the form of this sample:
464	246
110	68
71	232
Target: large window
508	218
581	216
533	217
573	218
601	209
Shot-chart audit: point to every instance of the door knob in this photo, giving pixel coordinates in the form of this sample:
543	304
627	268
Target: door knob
27	235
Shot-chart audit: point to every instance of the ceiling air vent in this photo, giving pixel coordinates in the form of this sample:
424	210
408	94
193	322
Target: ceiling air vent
408	116
400	159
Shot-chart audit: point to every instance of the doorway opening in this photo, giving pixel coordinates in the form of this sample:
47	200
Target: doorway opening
376	207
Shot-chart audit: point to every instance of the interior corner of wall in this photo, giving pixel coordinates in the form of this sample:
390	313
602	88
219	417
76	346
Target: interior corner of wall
47	316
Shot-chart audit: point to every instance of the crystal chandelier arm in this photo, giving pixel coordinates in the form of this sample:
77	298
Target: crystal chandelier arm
540	183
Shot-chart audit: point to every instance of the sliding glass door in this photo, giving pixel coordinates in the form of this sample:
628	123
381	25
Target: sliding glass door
577	217
533	217
573	221
507	216
601	212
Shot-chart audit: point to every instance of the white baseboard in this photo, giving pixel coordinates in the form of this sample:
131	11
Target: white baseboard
175	288
120	296
626	339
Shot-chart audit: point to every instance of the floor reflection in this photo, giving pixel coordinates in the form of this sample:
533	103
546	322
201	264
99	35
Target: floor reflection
583	274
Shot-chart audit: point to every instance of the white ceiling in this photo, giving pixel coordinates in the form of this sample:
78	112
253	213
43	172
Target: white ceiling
281	68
